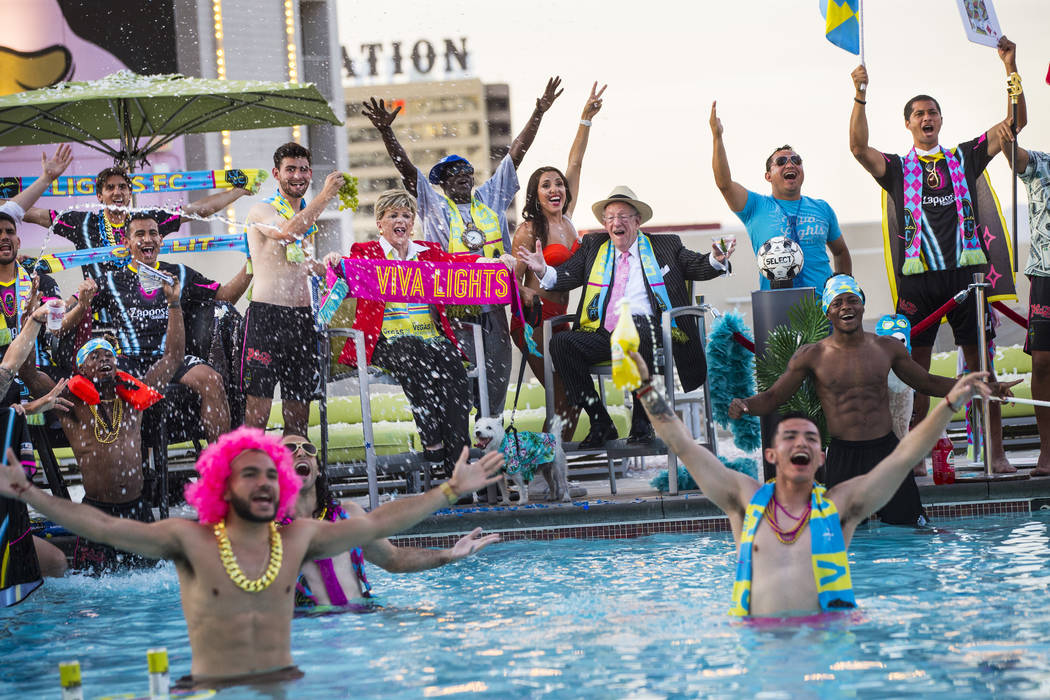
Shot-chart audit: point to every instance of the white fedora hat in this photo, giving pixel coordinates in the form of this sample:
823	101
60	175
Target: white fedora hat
622	193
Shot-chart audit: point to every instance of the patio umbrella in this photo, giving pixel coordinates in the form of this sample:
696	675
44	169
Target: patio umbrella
145	112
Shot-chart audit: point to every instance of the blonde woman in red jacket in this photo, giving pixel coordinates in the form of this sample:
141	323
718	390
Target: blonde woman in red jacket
413	342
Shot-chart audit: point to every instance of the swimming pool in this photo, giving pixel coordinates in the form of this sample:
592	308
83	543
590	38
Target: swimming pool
957	612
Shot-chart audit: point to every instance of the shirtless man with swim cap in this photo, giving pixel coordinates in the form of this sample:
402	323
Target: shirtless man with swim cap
849	370
237	571
793	535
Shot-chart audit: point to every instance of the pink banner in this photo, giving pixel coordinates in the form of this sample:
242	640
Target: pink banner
430	282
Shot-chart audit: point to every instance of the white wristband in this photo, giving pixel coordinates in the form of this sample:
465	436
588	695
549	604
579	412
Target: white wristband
585	122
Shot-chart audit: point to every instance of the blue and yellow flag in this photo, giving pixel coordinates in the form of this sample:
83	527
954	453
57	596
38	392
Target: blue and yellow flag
842	23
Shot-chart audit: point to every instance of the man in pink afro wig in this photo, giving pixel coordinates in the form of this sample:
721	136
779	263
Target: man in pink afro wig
237	571
209	493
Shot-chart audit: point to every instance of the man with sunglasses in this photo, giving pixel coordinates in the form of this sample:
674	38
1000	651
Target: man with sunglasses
465	219
786	212
341	579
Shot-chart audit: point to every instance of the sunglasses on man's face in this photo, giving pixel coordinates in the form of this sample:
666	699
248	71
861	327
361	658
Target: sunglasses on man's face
307	447
781	160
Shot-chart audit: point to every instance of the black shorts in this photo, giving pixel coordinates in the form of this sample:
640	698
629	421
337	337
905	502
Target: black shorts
138	366
1038	338
281	345
918	296
102	558
849	458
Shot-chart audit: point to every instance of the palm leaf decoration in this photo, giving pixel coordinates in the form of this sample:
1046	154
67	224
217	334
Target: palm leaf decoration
806	324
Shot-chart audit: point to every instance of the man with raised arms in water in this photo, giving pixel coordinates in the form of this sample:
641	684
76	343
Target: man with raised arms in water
792	534
341	579
849	370
280	336
237	571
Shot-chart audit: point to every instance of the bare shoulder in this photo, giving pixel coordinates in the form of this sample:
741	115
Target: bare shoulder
808	355
524	234
261	212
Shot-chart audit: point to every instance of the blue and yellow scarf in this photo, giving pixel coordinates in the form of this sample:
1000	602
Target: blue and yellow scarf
294	251
830	560
600	280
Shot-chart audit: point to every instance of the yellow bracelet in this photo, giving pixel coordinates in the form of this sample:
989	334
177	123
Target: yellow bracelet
450	495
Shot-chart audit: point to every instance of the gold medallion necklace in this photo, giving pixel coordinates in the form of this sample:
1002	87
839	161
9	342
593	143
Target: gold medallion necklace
233	569
105	434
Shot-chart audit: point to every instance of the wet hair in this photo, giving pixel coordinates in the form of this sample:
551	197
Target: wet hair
4	216
532	212
394	199
207	494
142	215
801	415
291	150
769	160
918	98
100	179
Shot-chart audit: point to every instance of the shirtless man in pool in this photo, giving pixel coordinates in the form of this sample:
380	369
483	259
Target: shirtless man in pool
849	370
793	535
236	571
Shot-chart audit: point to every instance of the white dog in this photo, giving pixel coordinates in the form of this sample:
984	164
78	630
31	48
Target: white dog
489	434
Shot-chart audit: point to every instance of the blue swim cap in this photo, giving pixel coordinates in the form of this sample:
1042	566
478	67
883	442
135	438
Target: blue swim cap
437	173
839	284
92	345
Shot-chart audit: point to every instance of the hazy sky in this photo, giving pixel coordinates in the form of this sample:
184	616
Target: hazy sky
776	78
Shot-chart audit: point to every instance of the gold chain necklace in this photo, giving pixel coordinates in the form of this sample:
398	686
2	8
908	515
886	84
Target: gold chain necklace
110	233
233	569
105	434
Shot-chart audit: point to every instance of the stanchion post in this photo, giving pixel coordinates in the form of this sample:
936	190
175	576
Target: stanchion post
982	350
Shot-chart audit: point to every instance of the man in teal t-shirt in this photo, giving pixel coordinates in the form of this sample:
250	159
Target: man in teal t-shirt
809	222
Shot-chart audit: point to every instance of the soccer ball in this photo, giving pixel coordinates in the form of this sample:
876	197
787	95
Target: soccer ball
779	259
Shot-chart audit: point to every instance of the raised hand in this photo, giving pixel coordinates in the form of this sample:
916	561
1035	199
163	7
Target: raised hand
594	102
860	78
86	291
1007	52
471	543
723	255
378	114
56	165
332	183
969	386
716	123
468	478
172	292
550	94
533	260
53	399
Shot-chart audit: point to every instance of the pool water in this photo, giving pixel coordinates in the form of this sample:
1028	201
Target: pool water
961	611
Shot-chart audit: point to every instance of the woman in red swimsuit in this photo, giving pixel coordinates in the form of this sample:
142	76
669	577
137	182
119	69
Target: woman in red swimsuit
547	212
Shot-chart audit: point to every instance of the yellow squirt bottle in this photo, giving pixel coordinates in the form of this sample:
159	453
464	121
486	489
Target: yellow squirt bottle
625	339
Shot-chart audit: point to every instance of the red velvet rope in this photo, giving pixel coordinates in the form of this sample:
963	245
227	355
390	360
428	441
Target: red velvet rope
1011	314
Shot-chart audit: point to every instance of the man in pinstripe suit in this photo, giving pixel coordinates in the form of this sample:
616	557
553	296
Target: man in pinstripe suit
650	272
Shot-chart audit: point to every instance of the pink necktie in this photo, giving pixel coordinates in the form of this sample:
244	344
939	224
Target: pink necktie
619	289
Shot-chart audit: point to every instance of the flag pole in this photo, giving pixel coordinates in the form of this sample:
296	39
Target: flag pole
1013	84
860	23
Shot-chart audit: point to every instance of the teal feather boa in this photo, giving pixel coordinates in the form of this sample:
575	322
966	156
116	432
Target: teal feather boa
744	465
730	375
